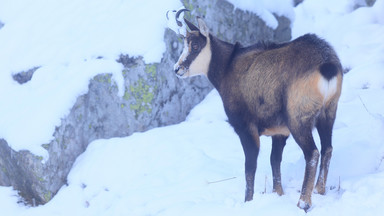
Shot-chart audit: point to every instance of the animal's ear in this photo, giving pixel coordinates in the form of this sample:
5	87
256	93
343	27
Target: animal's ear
203	27
191	26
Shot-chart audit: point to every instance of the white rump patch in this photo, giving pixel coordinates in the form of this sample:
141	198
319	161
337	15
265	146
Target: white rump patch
327	88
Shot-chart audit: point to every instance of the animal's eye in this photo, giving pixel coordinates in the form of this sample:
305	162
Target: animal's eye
195	46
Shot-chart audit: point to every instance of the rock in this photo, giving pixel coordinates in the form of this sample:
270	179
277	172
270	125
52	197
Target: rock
24	76
232	24
370	3
297	2
154	97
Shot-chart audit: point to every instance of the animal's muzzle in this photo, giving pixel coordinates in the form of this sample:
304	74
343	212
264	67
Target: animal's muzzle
180	71
177	69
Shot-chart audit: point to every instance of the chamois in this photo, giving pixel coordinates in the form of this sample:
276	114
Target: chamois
274	90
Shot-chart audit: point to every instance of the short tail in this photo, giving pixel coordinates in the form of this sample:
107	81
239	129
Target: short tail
328	70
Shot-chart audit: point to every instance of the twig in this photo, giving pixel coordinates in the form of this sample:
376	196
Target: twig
265	185
365	107
213	182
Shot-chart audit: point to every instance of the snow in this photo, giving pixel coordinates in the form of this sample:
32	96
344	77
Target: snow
71	41
350	32
197	167
266	8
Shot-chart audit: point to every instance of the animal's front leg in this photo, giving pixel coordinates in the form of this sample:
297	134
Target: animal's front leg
251	143
250	183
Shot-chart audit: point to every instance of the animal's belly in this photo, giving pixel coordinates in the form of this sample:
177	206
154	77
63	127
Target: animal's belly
278	130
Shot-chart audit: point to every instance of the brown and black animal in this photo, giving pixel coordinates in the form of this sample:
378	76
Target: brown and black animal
274	90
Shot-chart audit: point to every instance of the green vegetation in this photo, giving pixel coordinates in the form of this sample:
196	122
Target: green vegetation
127	95
47	196
40	158
45	146
151	69
104	78
143	94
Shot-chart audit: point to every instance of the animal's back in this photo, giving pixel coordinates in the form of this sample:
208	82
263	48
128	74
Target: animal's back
268	76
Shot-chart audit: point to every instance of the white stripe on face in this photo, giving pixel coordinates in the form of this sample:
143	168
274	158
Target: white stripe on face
183	55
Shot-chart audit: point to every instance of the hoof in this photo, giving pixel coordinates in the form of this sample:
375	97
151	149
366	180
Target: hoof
304	205
320	189
279	191
248	196
247	199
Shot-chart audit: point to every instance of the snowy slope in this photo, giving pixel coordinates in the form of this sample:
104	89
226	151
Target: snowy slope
70	41
196	167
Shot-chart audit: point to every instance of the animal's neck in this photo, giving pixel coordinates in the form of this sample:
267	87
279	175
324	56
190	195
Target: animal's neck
222	56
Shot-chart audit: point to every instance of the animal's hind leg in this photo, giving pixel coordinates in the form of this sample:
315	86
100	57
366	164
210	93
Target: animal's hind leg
324	127
278	143
303	136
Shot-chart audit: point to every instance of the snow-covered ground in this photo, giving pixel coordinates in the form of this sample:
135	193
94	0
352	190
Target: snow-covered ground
196	167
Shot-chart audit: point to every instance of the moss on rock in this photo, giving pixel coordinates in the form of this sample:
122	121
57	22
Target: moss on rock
143	94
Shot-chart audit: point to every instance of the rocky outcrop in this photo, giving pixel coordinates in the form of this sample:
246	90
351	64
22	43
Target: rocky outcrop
370	2
24	76
232	24
154	97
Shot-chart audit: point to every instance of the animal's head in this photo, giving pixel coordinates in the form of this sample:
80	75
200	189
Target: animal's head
196	55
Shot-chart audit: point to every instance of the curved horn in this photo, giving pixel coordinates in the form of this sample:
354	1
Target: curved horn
168	12
177	16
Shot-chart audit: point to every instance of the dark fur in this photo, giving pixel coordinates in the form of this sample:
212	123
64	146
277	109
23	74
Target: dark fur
328	70
267	86
197	43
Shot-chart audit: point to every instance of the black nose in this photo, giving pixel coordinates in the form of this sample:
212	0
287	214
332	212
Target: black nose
177	69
